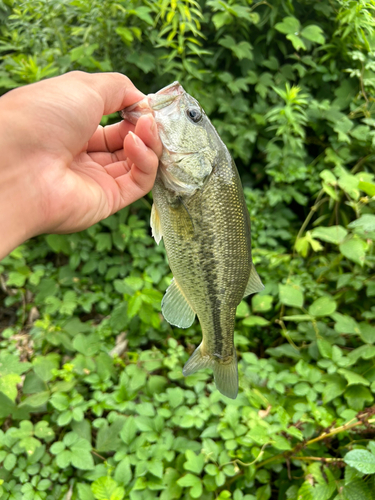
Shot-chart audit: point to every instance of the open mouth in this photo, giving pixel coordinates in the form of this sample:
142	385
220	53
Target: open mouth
153	102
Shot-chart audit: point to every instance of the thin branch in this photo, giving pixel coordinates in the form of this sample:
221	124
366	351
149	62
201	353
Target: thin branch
365	418
317	459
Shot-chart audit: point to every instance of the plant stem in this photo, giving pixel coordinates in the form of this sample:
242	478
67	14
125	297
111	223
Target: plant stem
290	454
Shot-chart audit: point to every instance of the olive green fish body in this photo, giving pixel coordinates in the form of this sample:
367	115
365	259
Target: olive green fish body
200	211
207	238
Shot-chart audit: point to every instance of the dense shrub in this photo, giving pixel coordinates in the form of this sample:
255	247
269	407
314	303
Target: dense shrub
93	404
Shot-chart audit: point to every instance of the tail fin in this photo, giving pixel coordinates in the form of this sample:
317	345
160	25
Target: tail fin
226	375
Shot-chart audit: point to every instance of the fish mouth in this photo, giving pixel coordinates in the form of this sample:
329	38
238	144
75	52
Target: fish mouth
153	102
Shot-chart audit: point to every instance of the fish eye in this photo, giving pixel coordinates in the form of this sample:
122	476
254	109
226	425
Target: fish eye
194	114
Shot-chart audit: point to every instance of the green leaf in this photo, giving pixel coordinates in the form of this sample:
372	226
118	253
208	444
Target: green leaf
324	306
362	460
255	321
358	396
175	396
126	34
87	344
357	490
345	324
58	243
243	50
43	431
44	365
335	387
332	234
129	430
355	250
107	437
143	13
297	42
313	33
123	473
84	492
81	457
367	333
60	401
291	295
106	488
134	305
36	400
9	364
194	482
134	283
264	492
352	377
194	463
10	462
281	443
156	468
63	459
366	223
243	310
367	187
8	385
288	25
325	348
261	303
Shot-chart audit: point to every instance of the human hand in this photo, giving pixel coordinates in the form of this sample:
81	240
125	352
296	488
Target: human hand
61	172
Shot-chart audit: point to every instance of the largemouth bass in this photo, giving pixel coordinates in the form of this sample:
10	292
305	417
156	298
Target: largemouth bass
200	211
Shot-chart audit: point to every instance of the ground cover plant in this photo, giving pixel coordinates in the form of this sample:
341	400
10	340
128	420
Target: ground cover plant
93	404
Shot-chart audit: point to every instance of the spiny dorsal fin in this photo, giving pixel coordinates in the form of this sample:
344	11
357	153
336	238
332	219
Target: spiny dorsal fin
175	308
254	284
155	224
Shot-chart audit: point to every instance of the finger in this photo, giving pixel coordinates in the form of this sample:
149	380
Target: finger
141	177
146	130
105	159
139	154
116	90
109	138
118	168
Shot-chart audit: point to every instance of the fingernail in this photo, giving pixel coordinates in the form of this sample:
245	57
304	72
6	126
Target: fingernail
154	129
137	141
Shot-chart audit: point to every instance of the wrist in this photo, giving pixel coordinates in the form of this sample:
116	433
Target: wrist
19	197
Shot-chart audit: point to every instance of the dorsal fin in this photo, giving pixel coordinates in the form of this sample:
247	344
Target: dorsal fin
254	284
175	308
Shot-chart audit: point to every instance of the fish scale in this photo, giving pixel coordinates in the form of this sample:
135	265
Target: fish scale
200	211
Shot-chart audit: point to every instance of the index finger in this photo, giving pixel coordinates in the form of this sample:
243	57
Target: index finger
115	90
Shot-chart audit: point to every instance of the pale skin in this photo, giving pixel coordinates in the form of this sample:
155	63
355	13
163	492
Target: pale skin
60	171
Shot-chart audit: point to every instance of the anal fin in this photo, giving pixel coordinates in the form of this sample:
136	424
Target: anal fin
254	284
175	308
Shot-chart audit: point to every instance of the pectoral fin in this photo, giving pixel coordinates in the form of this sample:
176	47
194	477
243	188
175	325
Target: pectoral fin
156	224
254	284
175	308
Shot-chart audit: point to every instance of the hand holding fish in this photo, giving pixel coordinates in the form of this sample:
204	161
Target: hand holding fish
60	171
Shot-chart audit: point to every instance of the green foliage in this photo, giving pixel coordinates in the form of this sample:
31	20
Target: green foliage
93	403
